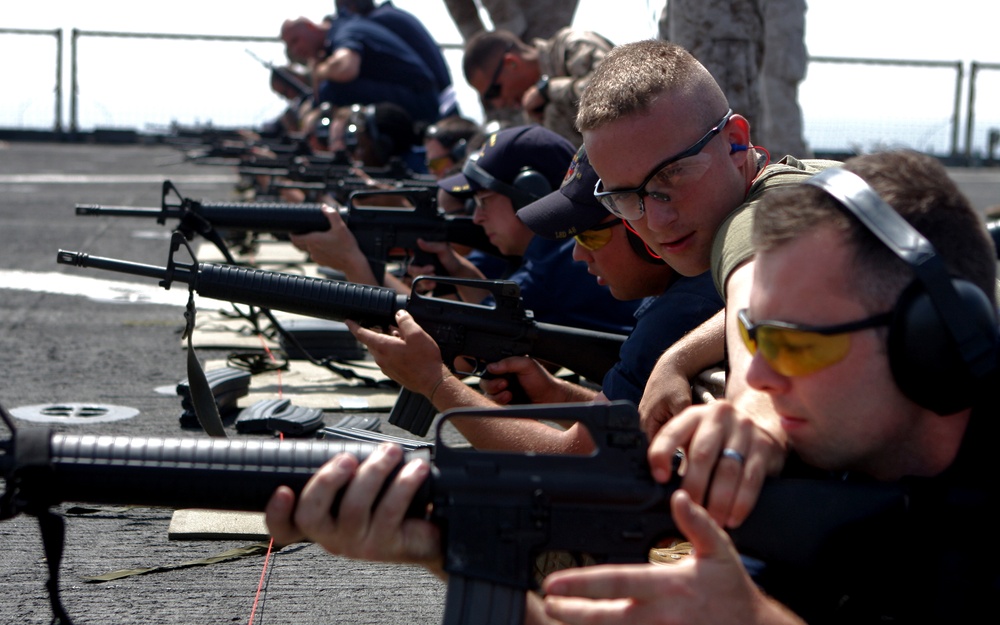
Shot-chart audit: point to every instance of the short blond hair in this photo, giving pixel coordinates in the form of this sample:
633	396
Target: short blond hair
633	75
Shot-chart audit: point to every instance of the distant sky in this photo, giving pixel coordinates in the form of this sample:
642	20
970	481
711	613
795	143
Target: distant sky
922	29
957	30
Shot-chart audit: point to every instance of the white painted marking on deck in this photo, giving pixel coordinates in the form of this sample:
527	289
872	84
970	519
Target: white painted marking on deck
99	290
115	178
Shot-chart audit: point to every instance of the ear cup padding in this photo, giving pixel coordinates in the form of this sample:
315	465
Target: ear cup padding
528	186
925	358
532	183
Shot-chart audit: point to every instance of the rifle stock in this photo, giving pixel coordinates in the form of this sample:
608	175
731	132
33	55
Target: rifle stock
498	510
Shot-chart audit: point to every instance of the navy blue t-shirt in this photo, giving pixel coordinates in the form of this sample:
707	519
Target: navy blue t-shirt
384	56
390	70
560	291
660	322
411	30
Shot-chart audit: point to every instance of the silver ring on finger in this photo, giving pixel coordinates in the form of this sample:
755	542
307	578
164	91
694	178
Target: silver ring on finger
732	454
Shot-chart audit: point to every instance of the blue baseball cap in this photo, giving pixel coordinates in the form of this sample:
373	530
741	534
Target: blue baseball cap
572	208
523	163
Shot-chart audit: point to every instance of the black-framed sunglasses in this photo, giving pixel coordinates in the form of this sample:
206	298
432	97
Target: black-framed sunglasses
628	203
493	91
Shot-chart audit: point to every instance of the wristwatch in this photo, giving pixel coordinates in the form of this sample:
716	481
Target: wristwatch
543	87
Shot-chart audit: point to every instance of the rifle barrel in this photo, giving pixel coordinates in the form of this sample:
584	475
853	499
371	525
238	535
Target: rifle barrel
587	352
591	353
313	297
80	259
118	211
221	474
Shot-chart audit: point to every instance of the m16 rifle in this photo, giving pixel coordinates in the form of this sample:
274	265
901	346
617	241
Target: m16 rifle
484	334
498	511
383	234
332	176
286	77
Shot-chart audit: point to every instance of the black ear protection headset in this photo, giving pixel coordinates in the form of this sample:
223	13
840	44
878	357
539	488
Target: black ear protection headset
527	186
943	336
457	151
456	146
362	120
321	131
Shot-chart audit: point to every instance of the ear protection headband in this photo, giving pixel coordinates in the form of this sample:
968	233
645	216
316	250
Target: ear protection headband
528	185
943	337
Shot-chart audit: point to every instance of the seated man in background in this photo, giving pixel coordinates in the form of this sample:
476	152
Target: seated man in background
353	60
412	31
543	79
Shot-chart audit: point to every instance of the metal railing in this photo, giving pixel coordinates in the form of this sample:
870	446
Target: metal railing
958	83
950	110
75	92
994	134
58	34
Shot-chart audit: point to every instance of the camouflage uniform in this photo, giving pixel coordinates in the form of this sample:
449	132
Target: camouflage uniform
727	37
785	61
568	59
526	19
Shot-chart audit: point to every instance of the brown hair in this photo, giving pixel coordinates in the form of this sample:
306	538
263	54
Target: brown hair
918	187
448	131
483	50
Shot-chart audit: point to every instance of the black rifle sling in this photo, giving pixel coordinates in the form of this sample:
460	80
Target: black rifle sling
31	451
53	531
202	398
